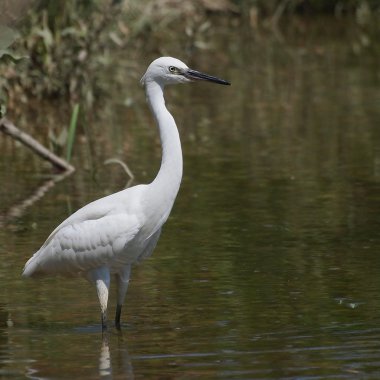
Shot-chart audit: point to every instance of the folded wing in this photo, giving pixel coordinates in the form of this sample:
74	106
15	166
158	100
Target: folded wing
81	245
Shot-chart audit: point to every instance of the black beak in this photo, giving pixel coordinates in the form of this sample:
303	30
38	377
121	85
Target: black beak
196	75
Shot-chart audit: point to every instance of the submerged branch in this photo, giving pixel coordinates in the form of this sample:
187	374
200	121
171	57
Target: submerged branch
10	129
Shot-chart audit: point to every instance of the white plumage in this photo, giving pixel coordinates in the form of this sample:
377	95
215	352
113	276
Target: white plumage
110	234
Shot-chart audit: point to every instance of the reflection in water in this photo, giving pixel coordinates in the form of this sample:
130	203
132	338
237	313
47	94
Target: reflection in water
20	351
123	357
124	362
17	210
105	367
37	369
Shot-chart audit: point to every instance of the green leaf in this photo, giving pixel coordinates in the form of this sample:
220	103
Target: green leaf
72	129
8	56
7	36
3	110
47	36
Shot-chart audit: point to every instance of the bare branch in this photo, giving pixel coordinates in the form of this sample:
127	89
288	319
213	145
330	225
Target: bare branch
10	129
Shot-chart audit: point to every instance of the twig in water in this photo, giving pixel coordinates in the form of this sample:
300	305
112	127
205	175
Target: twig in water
124	166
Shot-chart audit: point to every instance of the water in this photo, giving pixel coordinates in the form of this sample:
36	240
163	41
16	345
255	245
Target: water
268	267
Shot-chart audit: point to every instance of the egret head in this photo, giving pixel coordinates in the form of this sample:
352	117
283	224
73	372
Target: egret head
168	70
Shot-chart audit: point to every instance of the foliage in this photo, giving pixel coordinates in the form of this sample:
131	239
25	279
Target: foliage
66	43
7	37
268	7
69	43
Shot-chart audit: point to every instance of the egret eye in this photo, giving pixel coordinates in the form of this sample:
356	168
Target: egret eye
173	69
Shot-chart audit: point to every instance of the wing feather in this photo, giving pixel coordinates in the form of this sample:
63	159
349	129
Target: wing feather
83	245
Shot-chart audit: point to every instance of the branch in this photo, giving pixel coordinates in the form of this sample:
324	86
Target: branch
124	166
10	129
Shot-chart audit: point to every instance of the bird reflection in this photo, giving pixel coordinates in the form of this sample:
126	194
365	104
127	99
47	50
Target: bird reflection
124	361
105	367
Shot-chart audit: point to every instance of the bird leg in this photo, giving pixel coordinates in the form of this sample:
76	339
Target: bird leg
100	278
103	320
117	316
122	287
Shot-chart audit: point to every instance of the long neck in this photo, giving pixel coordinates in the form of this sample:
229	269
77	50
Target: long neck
167	182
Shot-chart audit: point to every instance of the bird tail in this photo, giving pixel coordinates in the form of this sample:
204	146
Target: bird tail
31	266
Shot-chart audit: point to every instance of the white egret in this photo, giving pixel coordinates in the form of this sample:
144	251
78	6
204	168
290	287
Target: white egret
110	234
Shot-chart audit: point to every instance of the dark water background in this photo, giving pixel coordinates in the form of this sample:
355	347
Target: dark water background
269	266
